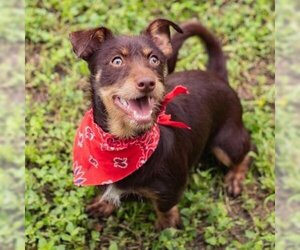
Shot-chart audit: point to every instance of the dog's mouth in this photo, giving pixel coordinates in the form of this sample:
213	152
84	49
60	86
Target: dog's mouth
139	109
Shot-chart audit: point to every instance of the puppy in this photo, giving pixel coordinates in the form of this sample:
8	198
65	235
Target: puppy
131	69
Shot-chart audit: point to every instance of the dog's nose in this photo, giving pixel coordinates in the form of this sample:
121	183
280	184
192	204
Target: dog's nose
146	84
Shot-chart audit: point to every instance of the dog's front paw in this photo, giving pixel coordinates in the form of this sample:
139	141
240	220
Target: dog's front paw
168	219
234	183
163	224
100	209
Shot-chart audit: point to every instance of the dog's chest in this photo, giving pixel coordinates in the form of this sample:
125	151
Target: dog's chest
112	194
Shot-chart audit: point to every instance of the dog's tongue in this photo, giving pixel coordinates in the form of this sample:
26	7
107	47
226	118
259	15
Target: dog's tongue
141	109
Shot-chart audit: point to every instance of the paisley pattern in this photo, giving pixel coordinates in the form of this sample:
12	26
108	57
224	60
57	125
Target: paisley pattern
78	174
100	158
120	162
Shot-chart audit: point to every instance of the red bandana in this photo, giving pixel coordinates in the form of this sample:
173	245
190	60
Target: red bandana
100	158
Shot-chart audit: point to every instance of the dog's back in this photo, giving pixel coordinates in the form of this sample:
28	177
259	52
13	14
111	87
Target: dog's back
213	104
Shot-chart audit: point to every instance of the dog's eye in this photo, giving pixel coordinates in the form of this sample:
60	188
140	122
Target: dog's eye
153	60
117	61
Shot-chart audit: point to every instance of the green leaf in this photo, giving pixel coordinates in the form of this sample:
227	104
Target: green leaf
113	245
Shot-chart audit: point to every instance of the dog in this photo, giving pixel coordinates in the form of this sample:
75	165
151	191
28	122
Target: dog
132	69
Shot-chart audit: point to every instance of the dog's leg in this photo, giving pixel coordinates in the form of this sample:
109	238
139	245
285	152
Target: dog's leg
231	147
236	176
237	172
165	207
105	205
166	210
100	208
168	218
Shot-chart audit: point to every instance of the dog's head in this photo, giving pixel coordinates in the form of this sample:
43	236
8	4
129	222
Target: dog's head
127	73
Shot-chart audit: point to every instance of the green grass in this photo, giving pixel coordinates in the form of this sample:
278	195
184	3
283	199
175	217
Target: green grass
12	185
55	82
287	126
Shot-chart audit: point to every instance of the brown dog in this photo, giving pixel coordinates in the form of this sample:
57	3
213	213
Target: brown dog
131	69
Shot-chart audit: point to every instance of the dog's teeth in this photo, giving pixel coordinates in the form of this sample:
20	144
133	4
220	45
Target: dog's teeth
123	102
141	117
150	100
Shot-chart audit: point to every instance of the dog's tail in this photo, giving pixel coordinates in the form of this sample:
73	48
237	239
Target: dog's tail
216	60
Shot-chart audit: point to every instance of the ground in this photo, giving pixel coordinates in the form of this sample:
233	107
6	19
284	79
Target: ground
57	96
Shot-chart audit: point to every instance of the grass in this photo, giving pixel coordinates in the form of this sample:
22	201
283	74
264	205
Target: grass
55	83
12	185
287	127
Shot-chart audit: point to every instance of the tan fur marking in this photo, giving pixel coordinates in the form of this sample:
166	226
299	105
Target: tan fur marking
164	220
154	27
124	51
147	194
119	124
222	156
100	208
99	35
116	118
146	51
168	219
98	76
236	175
163	43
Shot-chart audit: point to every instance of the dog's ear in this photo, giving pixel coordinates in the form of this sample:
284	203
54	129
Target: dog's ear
86	42
159	31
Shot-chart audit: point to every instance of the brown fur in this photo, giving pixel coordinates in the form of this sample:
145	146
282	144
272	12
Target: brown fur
212	110
117	122
236	176
124	51
159	30
100	208
171	218
147	51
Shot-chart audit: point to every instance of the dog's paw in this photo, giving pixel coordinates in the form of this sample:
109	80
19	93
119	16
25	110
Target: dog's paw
234	183
168	219
163	224
100	209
